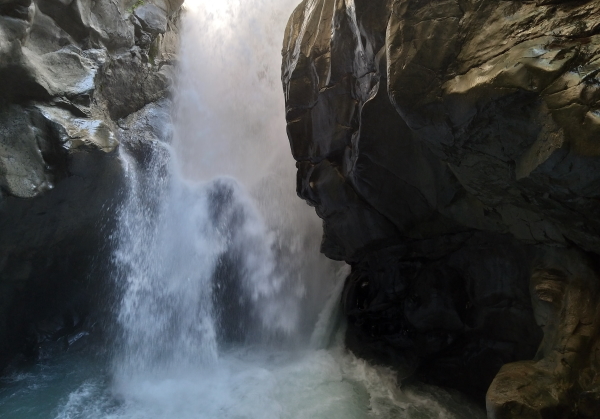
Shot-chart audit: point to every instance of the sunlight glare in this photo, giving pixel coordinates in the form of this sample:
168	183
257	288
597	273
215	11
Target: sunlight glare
219	10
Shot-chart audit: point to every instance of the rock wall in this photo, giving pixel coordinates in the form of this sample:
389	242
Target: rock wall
70	74
450	148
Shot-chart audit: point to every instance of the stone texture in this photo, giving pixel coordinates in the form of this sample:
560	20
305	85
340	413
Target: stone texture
451	149
143	84
69	72
563	378
22	165
449	310
151	18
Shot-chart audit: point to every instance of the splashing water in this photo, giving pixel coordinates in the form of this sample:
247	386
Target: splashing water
205	255
222	282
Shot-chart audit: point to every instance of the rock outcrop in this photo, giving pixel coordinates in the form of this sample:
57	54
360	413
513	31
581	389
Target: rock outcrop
451	148
70	72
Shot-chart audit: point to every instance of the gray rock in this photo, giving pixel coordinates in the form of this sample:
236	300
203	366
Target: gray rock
68	71
46	36
170	7
152	18
153	120
62	73
75	133
129	84
22	167
93	23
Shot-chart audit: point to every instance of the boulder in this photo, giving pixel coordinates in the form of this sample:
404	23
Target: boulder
466	131
69	70
152	19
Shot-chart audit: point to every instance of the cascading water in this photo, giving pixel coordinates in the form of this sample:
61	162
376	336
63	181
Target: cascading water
198	261
217	262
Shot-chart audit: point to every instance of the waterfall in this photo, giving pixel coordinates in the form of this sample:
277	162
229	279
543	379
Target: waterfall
228	309
217	261
213	247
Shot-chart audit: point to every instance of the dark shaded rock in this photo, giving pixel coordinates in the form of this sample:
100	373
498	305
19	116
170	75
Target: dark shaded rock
68	71
462	136
451	310
337	109
537	171
22	164
50	246
333	197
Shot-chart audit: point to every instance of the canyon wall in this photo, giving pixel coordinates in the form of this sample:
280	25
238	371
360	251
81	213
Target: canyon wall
71	75
451	149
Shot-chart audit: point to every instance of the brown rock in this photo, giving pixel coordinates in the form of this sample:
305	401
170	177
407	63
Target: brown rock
453	118
562	380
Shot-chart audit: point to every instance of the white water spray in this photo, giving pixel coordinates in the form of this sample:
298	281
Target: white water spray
213	244
218	261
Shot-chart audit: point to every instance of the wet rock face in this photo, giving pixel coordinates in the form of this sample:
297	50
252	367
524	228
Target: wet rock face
563	379
449	310
464	129
69	73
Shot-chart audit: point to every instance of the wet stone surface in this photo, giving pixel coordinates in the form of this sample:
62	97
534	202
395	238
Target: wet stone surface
450	149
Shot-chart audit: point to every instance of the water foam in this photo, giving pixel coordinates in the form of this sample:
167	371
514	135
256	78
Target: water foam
219	263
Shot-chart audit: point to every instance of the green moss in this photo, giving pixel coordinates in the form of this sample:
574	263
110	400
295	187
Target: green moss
135	5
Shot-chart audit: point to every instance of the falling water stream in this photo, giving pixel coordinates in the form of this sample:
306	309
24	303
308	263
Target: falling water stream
227	309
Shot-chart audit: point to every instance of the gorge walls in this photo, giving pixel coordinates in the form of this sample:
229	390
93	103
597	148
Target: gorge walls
71	72
451	148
